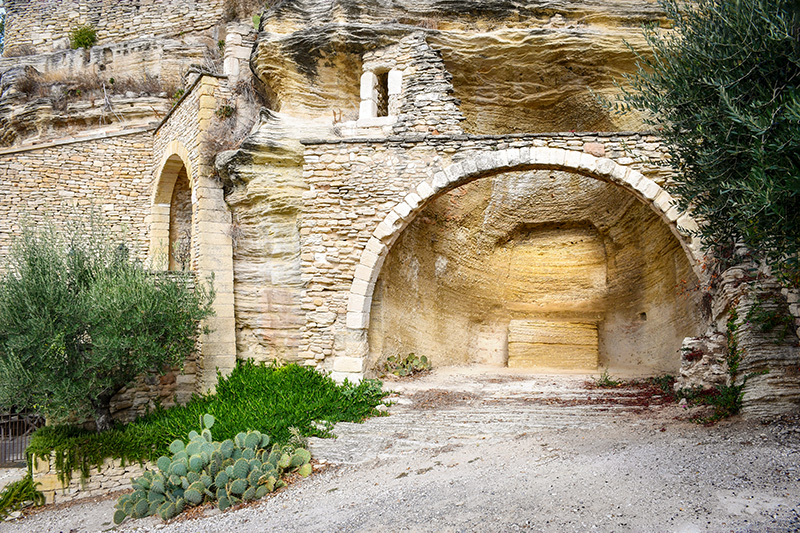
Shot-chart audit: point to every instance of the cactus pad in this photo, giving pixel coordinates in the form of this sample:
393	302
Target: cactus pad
176	446
238	486
164	463
240	469
252	440
305	470
119	516
193	497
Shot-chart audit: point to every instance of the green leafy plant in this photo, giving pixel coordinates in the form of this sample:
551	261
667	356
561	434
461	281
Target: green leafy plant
202	470
83	37
722	87
605	381
406	366
80	319
267	398
225	111
18	494
177	95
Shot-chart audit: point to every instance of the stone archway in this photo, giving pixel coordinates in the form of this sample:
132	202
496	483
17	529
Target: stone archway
172	213
482	165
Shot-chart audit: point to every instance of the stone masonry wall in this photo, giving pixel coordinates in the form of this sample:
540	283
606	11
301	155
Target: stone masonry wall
56	181
111	476
354	184
184	132
43	24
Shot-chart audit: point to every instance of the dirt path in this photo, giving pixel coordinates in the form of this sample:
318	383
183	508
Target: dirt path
508	452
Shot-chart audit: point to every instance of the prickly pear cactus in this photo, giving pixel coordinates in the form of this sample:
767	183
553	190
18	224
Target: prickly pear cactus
203	470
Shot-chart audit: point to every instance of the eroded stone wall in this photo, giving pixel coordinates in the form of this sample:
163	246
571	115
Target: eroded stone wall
45	24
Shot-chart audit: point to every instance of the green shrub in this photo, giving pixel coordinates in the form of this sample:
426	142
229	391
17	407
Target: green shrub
80	319
605	381
244	468
266	398
17	493
722	87
83	37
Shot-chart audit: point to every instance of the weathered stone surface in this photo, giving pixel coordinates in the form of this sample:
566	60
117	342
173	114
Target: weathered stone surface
703	364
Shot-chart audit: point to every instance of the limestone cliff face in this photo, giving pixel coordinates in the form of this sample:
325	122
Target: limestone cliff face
536	63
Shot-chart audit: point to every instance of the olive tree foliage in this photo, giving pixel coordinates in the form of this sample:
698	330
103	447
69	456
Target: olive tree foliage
723	86
80	319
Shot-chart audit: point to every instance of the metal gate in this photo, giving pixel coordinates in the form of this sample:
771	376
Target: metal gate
15	435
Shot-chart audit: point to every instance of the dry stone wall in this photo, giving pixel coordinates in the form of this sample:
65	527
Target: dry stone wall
58	181
110	477
45	24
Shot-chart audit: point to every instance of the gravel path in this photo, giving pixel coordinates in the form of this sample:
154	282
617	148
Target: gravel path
508	452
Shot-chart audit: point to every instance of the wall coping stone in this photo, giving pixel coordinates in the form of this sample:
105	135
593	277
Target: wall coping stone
470	137
73	140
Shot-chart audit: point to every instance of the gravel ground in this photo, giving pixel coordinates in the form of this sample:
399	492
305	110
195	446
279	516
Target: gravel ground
590	466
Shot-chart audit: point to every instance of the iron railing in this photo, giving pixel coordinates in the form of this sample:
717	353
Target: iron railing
15	435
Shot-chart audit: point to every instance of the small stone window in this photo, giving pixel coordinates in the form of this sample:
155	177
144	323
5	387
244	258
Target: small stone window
382	91
380	95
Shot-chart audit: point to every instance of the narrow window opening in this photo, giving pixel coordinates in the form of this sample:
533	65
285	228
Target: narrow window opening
382	90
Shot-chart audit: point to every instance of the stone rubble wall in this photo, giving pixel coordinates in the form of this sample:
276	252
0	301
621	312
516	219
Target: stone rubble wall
110	477
45	25
354	184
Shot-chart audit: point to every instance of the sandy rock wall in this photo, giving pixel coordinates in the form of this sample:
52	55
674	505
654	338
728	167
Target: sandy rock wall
487	269
302	228
538	62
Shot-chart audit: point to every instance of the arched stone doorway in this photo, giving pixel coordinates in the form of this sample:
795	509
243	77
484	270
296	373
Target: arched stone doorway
582	233
171	217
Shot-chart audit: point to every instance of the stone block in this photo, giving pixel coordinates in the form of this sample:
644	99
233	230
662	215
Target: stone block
588	163
686	224
357	320
662	200
618	174
363	272
648	188
359	303
501	159
367	109
513	157
604	167
375	246
339	377
348	364
439	181
413	200
470	167
369	83
403	209
558	156
425	191
362	287
395	82
454	172
540	156
572	159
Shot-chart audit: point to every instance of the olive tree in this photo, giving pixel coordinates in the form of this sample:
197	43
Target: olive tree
723	85
80	319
